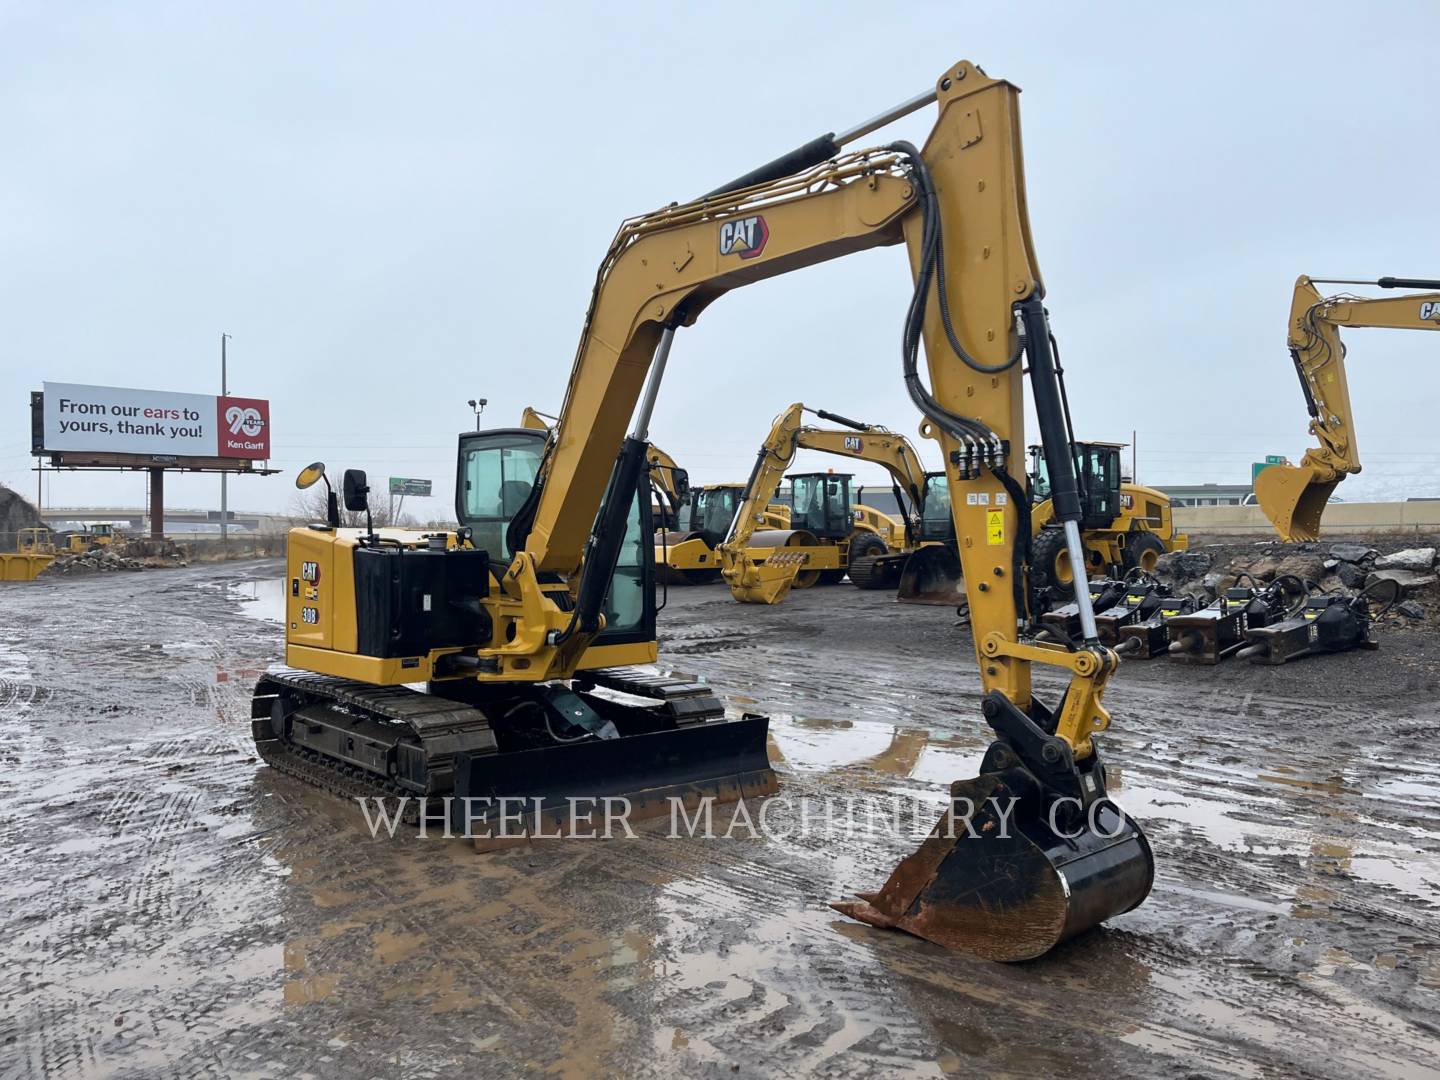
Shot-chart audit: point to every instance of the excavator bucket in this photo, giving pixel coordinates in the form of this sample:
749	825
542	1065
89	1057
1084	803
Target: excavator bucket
995	879
768	582
931	576
1293	498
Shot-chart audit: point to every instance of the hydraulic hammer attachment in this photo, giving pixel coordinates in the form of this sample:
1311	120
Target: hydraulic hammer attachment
1150	637
1210	635
1029	853
1064	620
1293	497
1140	600
1326	624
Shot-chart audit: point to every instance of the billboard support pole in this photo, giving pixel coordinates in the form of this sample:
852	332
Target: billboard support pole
224	510
157	503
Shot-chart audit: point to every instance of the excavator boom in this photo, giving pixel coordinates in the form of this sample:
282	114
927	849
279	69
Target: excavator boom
1294	497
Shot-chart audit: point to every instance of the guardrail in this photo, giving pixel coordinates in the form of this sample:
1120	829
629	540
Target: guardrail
1339	519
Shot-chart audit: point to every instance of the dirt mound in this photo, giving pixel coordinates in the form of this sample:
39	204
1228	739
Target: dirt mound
16	513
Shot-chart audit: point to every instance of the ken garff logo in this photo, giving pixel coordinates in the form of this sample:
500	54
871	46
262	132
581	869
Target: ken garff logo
744	236
1430	309
246	421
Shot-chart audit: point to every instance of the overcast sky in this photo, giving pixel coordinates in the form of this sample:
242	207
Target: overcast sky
394	208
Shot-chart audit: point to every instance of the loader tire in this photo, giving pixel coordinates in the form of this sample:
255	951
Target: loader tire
1143	550
1050	572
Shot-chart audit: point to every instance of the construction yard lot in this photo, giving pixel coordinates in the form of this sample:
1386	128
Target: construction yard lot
173	907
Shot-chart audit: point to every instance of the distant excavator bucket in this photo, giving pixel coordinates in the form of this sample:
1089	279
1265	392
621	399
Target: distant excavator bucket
1029	853
770	581
931	576
1009	887
1293	497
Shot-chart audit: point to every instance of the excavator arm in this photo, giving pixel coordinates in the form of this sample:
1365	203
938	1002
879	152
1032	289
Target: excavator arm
768	581
1293	497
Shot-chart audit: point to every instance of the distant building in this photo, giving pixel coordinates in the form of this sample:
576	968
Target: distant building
1207	494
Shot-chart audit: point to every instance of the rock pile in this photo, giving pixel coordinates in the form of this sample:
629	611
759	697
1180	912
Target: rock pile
1346	568
133	555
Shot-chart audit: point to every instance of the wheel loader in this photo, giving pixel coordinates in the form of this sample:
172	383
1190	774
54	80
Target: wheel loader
1293	497
1123	526
826	531
481	662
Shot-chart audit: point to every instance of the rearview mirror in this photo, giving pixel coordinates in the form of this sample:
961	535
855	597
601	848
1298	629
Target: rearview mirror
310	475
357	490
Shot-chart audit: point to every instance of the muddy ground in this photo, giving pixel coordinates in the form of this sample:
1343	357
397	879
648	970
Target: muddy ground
172	907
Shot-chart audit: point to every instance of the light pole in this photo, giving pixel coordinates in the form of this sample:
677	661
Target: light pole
478	404
224	515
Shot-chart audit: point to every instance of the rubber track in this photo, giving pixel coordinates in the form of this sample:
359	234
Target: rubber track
335	778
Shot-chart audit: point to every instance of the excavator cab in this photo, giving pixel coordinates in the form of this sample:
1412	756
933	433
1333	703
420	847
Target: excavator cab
820	504
497	471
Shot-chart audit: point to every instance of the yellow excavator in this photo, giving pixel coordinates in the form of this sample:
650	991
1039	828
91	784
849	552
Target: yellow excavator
514	621
826	532
1293	497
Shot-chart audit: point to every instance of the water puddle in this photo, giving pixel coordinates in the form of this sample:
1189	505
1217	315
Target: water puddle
817	744
263	598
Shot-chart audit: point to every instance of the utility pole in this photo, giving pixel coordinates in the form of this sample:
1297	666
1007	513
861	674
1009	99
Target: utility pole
224	509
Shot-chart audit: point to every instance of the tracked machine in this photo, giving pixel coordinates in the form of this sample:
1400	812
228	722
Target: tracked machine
483	660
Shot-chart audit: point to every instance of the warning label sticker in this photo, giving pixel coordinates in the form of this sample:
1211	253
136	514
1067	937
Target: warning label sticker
994	527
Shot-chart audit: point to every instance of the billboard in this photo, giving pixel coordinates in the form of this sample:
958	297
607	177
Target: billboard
408	485
118	420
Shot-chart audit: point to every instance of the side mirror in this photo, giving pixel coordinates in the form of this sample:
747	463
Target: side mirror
681	479
310	475
356	490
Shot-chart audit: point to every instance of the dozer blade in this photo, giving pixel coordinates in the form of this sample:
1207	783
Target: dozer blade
1007	886
1293	497
931	576
550	790
768	582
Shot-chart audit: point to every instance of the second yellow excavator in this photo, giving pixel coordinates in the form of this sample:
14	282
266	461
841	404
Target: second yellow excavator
1293	497
825	533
